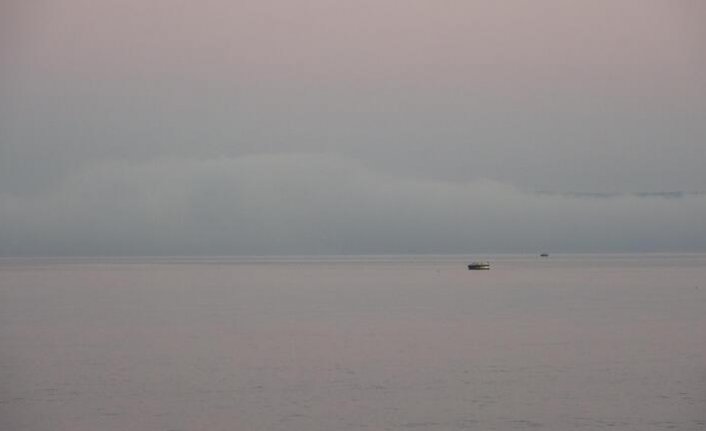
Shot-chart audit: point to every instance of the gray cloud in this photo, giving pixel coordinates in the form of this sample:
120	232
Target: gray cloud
557	141
317	203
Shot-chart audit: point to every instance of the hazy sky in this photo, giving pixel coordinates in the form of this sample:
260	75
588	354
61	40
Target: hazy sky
328	126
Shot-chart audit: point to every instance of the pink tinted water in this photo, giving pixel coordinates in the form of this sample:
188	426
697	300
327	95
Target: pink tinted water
376	343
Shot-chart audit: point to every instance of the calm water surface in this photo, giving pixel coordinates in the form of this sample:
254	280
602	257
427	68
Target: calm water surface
582	342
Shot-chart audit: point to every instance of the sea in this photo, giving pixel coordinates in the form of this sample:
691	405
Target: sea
312	343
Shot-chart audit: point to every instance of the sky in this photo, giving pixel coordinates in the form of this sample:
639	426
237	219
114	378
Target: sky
174	127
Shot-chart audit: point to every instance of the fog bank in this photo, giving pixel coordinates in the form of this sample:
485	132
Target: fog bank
321	204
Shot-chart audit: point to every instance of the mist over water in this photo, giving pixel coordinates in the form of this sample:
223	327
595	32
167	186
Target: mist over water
326	204
374	342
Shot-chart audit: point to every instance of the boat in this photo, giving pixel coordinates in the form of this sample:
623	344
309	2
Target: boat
478	265
544	255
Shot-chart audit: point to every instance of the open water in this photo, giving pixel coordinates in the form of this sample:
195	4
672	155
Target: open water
569	342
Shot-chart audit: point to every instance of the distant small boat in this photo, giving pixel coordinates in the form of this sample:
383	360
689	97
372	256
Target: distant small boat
544	255
478	265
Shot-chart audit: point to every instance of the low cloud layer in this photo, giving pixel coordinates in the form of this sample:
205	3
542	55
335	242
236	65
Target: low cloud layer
320	204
